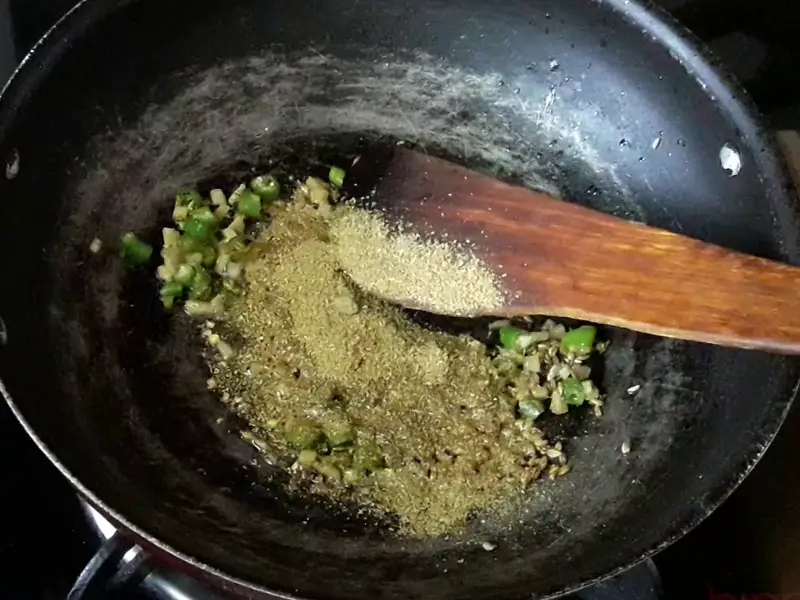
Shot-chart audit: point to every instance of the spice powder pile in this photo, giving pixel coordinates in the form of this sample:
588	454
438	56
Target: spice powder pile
401	267
312	347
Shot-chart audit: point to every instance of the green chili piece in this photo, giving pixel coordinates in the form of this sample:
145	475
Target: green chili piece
267	187
205	214
134	251
336	176
509	337
173	288
200	286
574	393
579	341
249	204
199	229
169	292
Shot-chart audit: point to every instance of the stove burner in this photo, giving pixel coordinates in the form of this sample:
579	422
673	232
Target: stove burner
159	584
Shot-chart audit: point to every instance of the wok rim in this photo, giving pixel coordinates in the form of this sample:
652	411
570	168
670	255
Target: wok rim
684	47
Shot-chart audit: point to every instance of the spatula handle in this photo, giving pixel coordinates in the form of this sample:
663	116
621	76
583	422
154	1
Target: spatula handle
591	266
561	259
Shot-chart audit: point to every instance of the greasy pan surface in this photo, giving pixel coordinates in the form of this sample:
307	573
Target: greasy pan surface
569	95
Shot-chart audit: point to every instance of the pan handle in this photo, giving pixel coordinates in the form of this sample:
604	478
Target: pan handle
109	571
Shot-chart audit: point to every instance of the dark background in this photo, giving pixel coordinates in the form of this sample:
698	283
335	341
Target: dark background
749	548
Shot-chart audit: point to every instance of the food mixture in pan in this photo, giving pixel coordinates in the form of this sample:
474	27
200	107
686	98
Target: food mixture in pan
366	403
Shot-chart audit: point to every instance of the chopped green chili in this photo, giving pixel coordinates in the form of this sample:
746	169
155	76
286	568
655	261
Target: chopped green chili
199	229
205	214
204	257
336	176
579	341
267	187
573	392
200	287
510	337
134	251
249	204
169	292
173	288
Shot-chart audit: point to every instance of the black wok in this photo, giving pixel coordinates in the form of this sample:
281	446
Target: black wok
607	103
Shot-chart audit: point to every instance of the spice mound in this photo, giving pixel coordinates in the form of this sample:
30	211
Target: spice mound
423	424
390	264
361	402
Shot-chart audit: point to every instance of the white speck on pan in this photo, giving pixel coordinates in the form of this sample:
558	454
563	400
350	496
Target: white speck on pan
12	165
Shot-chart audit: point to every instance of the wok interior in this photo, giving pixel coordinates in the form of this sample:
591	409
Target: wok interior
116	388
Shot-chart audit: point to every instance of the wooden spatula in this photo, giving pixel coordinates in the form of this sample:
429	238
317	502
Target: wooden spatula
560	259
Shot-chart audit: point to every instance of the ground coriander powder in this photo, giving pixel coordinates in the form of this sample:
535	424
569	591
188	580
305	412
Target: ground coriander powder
313	347
403	267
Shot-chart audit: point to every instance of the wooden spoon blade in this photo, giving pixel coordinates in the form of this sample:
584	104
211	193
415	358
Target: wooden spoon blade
561	259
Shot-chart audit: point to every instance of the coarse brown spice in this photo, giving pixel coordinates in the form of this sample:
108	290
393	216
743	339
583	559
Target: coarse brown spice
402	267
312	347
